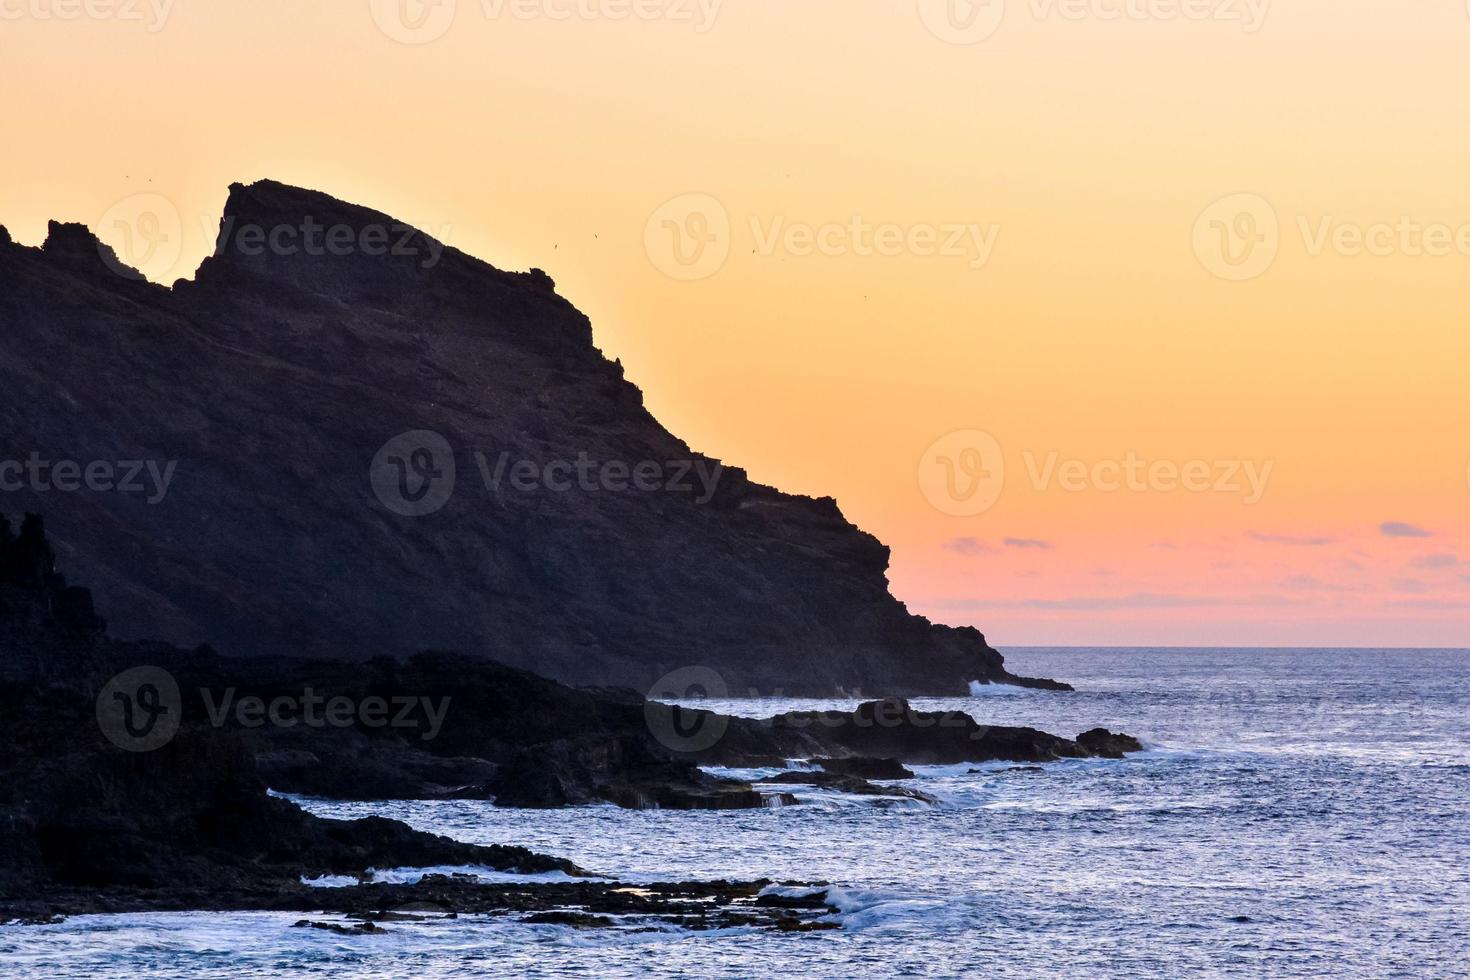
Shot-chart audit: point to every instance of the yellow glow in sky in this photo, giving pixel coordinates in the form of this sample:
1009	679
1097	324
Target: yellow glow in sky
1122	321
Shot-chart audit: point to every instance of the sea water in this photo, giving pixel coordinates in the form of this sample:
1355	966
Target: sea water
1297	812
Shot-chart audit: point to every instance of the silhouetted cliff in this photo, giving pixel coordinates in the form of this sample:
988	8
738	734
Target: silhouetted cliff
275	443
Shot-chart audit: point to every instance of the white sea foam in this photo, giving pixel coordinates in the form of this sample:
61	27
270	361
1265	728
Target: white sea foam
412	876
983	689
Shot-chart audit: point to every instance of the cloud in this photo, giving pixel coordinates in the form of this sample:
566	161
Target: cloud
1299	541
1434	604
1409	586
1035	543
1398	529
1310	583
967	546
1436	561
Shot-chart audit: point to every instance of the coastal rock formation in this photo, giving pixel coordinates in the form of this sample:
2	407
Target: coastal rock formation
96	819
434	726
344	439
85	824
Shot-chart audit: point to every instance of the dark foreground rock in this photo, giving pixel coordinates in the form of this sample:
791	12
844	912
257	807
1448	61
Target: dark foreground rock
96	817
271	391
122	790
449	726
368	909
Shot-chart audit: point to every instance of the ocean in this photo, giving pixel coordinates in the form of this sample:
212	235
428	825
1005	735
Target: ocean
1296	813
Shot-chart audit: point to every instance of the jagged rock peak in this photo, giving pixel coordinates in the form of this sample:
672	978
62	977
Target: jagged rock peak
75	244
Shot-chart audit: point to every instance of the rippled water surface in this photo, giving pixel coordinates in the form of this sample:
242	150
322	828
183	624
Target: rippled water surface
1298	813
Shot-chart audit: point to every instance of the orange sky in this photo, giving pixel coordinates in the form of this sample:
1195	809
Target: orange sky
962	287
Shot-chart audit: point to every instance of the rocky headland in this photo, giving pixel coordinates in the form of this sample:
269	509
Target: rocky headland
134	775
344	439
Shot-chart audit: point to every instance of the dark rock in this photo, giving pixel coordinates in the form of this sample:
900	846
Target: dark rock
867	768
1101	742
892	728
186	823
562	917
855	785
356	929
275	377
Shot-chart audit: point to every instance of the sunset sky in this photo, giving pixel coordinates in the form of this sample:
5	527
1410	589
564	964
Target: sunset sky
1027	247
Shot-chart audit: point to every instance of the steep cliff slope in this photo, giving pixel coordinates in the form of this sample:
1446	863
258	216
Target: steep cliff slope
342	438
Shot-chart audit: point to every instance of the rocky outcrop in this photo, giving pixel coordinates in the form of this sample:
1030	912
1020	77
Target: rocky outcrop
892	729
188	822
434	726
295	454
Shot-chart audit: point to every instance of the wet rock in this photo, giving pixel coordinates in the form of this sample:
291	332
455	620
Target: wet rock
866	768
578	920
1110	745
357	929
840	783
